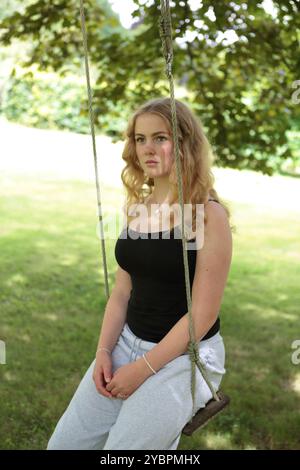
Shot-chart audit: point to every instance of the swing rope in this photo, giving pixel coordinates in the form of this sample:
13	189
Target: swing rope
165	28
219	400
91	115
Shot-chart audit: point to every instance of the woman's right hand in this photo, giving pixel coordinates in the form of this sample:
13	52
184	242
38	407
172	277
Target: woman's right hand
103	371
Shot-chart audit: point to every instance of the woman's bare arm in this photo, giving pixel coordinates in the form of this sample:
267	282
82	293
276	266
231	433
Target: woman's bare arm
115	311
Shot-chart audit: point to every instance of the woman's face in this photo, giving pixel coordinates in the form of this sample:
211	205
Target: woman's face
153	142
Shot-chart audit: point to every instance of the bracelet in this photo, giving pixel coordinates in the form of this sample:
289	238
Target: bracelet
103	349
149	364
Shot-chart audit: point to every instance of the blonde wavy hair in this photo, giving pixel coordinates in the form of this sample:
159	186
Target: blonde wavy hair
196	161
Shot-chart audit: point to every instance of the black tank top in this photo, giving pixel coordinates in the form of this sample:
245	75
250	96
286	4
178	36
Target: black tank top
158	296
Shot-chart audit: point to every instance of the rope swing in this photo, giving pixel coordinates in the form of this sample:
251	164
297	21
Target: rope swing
219	400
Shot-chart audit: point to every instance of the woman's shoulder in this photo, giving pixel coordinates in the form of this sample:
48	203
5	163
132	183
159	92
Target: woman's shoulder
213	206
216	215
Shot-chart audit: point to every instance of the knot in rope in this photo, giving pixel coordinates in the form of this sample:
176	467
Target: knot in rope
166	38
165	27
193	350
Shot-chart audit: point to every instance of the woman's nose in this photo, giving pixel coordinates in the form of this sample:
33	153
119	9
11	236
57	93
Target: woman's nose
149	147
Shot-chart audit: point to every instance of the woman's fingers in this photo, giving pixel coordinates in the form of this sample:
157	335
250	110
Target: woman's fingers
101	384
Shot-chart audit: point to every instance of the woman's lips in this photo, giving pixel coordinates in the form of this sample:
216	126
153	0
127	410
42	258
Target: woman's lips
151	162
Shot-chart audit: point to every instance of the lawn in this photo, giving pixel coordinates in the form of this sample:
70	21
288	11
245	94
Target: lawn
52	299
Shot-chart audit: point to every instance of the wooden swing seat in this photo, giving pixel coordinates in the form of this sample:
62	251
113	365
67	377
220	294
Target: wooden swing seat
205	414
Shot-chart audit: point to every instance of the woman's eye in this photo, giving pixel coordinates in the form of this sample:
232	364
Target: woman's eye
160	138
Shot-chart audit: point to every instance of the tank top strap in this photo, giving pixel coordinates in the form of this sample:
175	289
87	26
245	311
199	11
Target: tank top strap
213	200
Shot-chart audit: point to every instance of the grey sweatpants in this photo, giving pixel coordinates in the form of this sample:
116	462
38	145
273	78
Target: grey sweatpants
153	417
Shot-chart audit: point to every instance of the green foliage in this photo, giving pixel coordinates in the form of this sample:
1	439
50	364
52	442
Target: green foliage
241	89
291	165
9	7
47	101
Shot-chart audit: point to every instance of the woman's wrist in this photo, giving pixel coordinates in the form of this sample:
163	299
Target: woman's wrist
101	349
143	367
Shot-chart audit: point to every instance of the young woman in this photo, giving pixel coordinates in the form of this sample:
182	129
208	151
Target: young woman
136	394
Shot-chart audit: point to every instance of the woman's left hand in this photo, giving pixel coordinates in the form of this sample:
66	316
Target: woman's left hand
127	379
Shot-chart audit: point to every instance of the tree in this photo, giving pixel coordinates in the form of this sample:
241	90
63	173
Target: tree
241	88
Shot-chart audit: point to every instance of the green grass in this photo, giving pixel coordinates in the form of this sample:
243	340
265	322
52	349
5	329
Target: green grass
52	299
